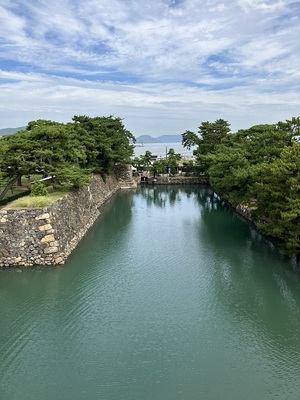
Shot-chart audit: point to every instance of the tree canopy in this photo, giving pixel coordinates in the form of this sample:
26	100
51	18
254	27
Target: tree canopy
70	152
208	137
259	168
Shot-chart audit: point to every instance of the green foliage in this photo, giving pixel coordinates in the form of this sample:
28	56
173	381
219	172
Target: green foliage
105	142
258	167
277	193
160	167
233	164
209	137
190	139
70	152
173	161
146	159
190	168
136	162
164	166
38	189
73	175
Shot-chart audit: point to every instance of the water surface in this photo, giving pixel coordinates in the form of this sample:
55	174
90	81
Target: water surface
170	296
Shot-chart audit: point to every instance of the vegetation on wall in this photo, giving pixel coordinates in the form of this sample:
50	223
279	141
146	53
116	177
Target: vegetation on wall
258	168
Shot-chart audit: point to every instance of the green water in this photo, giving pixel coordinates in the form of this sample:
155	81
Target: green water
170	296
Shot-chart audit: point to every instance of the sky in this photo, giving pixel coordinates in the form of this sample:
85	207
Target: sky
163	66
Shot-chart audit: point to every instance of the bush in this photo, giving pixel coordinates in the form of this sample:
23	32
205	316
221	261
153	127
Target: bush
38	189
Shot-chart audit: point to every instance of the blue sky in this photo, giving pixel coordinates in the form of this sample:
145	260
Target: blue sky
164	66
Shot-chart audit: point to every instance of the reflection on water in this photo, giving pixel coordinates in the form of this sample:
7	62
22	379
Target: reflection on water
169	296
160	196
256	288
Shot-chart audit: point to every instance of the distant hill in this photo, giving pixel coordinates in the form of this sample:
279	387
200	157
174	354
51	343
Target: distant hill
159	139
10	131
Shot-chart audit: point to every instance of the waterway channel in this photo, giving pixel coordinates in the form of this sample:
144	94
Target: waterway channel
169	296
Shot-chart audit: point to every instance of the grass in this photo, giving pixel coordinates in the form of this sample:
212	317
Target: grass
37	201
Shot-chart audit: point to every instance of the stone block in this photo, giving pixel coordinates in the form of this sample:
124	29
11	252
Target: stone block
45	227
43	216
48	238
50	250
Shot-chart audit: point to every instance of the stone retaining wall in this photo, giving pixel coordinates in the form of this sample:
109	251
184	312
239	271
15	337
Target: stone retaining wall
125	177
46	236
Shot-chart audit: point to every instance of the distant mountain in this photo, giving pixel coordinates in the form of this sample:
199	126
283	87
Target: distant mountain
10	131
159	139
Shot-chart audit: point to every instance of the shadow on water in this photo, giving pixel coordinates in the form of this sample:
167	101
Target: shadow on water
231	231
255	285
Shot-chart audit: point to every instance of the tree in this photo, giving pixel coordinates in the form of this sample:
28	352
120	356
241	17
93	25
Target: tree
15	159
259	168
233	164
146	159
159	167
190	139
173	161
58	152
291	127
70	152
209	137
277	193
106	141
229	172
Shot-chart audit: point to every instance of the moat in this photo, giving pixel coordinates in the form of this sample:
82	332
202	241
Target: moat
169	296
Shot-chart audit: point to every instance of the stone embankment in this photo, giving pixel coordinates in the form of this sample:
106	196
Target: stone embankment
47	236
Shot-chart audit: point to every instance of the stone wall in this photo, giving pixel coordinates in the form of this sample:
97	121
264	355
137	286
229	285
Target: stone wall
125	177
47	236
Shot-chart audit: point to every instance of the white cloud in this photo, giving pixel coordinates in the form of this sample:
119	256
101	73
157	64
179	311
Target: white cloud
167	62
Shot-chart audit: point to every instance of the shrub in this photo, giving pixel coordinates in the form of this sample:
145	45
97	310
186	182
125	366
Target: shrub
38	189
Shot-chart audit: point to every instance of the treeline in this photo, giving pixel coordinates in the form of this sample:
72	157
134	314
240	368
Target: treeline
258	168
70	152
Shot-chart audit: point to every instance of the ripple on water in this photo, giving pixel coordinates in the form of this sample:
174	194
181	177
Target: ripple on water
158	301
